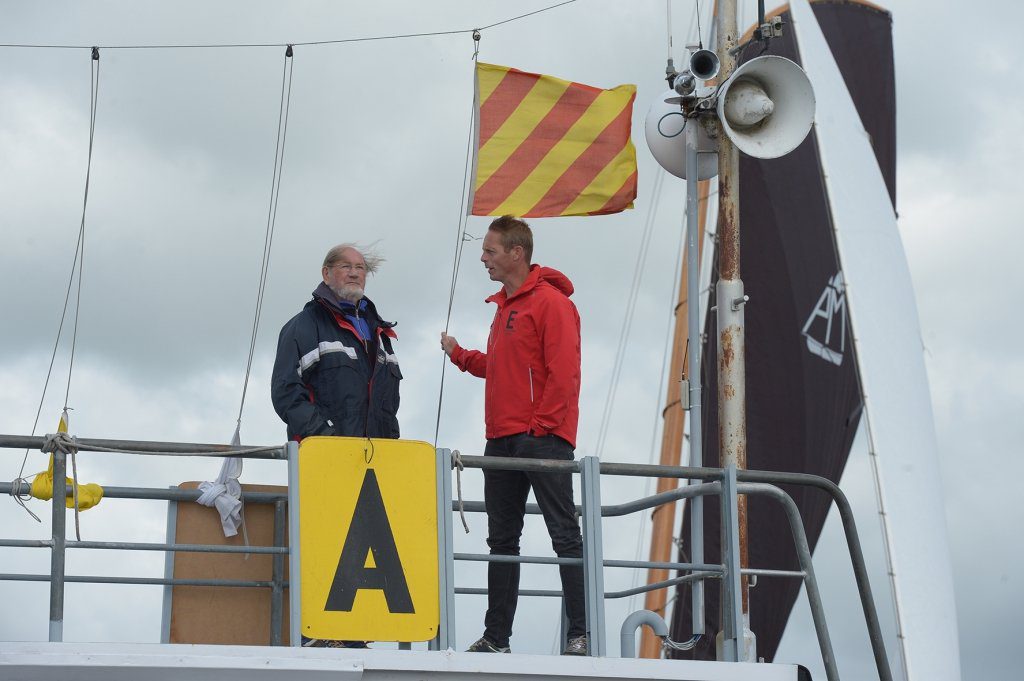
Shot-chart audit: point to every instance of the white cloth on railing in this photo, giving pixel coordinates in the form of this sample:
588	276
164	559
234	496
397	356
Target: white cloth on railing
225	493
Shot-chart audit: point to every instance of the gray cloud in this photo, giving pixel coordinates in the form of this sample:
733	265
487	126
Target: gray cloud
376	143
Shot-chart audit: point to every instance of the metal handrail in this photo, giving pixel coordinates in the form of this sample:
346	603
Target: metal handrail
745	482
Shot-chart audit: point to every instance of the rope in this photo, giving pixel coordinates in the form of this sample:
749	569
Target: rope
74	492
461	236
275	190
669	644
56	439
22	495
398	36
459	466
68	446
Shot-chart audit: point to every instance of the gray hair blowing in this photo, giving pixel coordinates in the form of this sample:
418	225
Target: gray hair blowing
370	255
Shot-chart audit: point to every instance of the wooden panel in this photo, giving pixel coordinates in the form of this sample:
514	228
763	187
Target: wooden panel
224	615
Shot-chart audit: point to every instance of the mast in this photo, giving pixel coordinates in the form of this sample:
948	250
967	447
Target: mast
730	302
663	517
687	323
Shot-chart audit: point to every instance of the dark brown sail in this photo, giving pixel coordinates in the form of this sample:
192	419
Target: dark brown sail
803	395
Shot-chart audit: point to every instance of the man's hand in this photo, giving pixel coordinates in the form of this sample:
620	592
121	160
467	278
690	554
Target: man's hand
448	343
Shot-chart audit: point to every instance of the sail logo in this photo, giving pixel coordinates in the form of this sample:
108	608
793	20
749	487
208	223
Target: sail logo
825	328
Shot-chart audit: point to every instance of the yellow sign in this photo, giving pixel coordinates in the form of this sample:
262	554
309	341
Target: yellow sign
368	523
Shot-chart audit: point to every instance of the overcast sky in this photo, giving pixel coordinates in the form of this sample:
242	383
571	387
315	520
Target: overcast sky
180	185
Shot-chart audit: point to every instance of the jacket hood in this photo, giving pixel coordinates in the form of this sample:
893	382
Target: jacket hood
538	275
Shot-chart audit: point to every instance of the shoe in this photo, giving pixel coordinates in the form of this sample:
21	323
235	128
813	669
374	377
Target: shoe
578	645
484	645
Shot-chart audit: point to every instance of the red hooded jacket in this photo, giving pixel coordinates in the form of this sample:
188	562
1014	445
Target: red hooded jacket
532	363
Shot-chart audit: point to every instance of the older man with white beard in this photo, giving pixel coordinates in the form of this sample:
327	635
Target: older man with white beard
336	372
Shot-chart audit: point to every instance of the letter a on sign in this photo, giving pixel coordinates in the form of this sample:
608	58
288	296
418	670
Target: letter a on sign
370	538
368	544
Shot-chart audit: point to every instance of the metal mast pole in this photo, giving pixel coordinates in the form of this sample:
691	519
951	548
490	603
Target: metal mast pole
730	300
694	360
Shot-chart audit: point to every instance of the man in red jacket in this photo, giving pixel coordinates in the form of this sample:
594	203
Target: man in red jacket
531	409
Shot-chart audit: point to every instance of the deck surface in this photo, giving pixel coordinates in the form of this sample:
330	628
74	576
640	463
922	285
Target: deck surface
156	662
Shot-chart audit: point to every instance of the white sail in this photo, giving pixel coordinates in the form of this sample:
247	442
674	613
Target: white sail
883	313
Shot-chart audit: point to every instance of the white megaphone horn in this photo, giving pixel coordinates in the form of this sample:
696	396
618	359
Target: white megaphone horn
767	107
665	131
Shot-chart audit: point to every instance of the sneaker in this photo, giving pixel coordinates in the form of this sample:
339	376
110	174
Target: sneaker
484	645
577	645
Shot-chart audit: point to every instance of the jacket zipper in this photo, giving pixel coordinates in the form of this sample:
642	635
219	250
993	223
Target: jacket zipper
530	369
369	389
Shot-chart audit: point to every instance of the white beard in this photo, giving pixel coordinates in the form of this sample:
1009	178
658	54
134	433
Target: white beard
349	292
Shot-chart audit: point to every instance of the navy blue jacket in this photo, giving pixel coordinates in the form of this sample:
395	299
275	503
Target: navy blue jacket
328	381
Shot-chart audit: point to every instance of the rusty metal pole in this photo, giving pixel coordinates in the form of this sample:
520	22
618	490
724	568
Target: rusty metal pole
730	300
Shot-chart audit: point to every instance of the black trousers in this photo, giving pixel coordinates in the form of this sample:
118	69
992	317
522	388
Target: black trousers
505	495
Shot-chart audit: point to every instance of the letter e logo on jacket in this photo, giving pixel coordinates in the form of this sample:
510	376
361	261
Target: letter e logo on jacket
511	317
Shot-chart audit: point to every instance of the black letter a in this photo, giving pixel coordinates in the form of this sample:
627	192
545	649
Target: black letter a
370	531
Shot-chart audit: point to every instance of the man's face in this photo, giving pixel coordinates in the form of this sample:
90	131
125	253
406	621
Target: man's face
347	277
499	262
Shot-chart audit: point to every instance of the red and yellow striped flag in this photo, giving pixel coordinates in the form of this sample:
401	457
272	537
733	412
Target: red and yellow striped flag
549	147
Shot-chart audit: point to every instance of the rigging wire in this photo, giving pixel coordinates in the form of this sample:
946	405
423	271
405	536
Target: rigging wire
76	263
339	41
658	416
645	241
94	78
94	66
275	192
695	27
461	236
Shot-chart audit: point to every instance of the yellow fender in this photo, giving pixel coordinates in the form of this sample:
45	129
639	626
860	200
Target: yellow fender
89	494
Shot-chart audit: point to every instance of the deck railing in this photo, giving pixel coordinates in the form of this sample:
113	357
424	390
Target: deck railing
727	484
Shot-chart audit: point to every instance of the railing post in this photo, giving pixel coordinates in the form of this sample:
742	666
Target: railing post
593	553
277	576
294	564
803	552
60	493
732	603
694	347
168	595
445	554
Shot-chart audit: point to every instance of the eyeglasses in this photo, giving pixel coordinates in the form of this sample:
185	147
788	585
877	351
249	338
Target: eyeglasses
348	267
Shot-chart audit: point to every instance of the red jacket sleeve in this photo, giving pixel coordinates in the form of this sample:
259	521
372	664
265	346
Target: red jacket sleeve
473	361
559	330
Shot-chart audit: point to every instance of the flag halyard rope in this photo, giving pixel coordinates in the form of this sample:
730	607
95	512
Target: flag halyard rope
460	241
